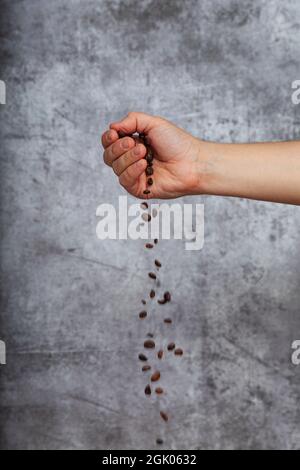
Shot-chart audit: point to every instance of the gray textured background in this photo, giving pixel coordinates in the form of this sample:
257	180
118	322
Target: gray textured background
223	70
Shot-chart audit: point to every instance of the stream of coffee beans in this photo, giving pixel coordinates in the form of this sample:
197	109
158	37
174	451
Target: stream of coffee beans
156	352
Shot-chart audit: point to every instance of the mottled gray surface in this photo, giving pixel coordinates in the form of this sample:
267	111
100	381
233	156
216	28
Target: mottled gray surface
223	70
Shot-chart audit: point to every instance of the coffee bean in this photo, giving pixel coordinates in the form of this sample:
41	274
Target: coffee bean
162	301
171	346
152	275
146	368
147	191
152	294
150	182
144	206
149	171
146	217
167	296
150	153
142	136
160	354
149	246
178	352
143	358
168	320
142	314
159	442
149	344
164	416
159	390
157	263
155	377
144	302
156	241
149	158
148	390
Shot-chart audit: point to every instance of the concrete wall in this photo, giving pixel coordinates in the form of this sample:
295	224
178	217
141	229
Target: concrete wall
223	70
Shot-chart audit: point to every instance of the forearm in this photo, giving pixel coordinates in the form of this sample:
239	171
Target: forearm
269	172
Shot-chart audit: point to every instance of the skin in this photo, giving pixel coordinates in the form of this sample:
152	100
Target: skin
184	165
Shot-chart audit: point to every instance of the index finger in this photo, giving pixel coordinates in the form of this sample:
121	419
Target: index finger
109	137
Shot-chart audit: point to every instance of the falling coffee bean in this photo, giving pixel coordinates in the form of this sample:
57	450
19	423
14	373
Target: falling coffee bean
143	358
156	241
146	368
146	217
161	301
150	182
148	390
149	171
155	377
144	302
159	390
142	314
144	205
160	354
178	352
152	294
149	344
149	246
152	275
159	442
157	263
171	346
164	416
168	321
167	296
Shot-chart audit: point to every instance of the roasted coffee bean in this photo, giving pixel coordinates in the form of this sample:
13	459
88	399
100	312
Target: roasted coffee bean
156	241
142	314
150	335
167	296
144	302
159	442
161	301
157	263
147	191
148	390
155	377
146	217
149	171
168	320
160	354
149	246
152	275
146	368
149	158
150	182
142	136
143	358
144	206
178	352
171	346
149	344
159	390
152	294
164	416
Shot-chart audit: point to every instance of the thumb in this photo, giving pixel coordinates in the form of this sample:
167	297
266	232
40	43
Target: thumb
135	122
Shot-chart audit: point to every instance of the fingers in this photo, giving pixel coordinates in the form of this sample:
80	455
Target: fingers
117	149
132	174
129	158
135	122
109	137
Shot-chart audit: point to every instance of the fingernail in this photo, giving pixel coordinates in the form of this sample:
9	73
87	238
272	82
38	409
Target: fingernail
137	150
126	144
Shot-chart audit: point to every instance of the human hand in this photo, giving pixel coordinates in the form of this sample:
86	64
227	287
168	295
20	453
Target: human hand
177	163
